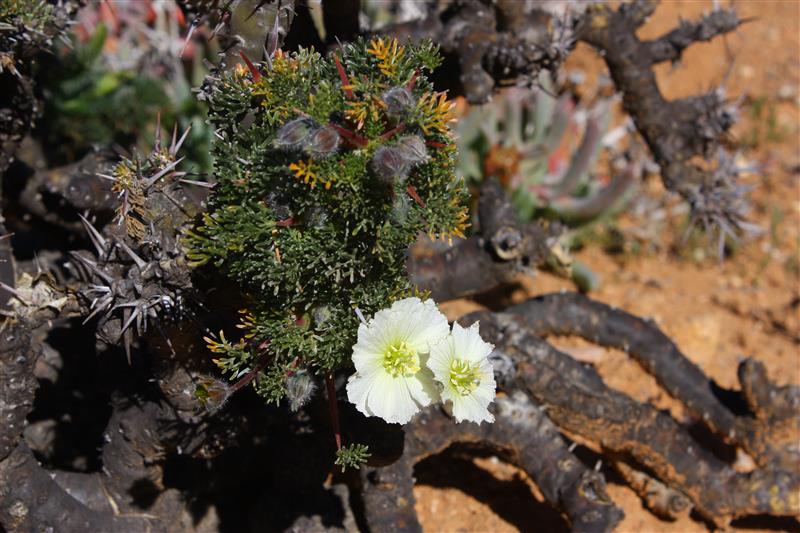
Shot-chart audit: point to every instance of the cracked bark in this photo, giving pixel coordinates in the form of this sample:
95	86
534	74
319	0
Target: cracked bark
679	131
74	188
137	437
17	384
664	501
523	435
30	498
128	495
31	501
575	314
577	401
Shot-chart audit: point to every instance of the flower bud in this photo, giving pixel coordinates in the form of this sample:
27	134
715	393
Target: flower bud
300	388
295	134
212	393
399	101
323	142
412	148
321	314
389	164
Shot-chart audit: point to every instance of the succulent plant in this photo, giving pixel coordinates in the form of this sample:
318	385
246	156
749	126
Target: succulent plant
326	171
138	274
124	64
543	150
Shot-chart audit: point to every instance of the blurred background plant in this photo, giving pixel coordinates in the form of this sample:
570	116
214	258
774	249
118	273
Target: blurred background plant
123	65
27	27
544	150
556	156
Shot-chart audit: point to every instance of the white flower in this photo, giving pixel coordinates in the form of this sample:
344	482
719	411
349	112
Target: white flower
461	366
392	380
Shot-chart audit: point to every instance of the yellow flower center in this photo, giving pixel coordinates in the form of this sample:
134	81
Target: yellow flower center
464	377
401	360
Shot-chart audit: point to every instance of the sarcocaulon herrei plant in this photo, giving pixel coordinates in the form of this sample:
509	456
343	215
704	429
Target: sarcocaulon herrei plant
327	170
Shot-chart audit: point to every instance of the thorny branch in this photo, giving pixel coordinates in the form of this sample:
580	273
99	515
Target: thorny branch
680	133
493	43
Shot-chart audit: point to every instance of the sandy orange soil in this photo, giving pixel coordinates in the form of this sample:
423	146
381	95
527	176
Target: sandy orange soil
717	312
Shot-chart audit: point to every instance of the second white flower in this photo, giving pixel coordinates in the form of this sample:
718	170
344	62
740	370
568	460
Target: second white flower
460	363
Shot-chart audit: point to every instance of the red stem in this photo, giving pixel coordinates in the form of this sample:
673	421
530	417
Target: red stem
337	432
412	81
343	76
350	137
412	192
251	67
250	376
392	132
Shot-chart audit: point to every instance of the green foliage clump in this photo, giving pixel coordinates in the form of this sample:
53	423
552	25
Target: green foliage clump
327	169
352	456
28	27
33	15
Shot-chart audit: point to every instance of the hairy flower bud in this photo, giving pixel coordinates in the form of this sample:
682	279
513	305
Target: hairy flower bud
321	314
212	393
390	164
295	134
323	142
300	388
399	101
412	148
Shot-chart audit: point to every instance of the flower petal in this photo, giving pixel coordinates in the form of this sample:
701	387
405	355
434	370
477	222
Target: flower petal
470	408
392	401
423	388
440	358
370	347
469	345
419	323
359	388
